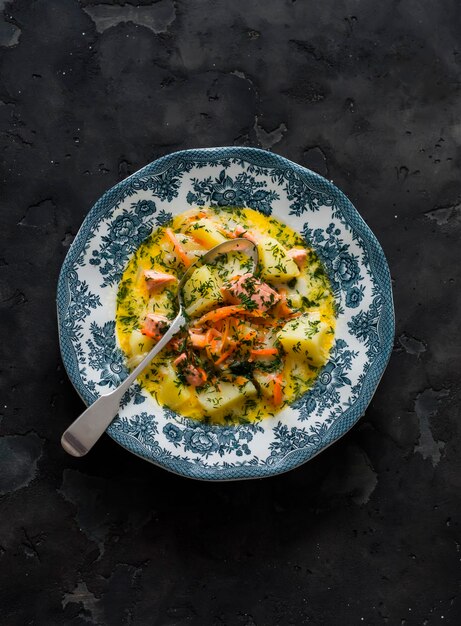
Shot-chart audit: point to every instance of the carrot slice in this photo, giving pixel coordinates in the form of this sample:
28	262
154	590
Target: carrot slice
224	356
241	380
197	216
202	373
226	311
225	332
149	333
172	237
278	389
281	308
219	314
264	351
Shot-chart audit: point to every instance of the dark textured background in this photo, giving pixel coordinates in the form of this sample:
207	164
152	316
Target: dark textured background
367	93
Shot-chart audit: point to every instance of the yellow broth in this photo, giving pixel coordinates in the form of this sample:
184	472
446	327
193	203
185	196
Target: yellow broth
298	360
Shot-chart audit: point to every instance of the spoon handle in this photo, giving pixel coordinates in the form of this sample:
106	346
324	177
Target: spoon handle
85	431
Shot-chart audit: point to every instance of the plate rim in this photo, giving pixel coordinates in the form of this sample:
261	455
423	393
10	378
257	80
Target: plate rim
293	458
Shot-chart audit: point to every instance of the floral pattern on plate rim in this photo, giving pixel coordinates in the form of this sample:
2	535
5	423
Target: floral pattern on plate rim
353	258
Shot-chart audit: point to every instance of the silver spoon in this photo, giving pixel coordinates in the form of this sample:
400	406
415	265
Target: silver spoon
85	431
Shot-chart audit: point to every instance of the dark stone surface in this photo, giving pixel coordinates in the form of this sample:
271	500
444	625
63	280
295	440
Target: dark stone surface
368	94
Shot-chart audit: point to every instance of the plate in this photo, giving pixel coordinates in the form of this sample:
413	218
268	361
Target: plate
353	258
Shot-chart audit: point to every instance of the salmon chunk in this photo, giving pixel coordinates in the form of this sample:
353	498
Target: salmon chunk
154	326
194	376
157	280
251	292
240	231
180	359
298	255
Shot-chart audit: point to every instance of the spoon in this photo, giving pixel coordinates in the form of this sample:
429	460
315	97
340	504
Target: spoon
85	431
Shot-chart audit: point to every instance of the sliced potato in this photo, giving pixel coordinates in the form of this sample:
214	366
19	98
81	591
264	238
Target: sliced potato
172	392
139	343
303	285
265	382
205	232
202	291
229	396
274	261
163	303
192	248
189	243
311	288
232	264
295	300
305	336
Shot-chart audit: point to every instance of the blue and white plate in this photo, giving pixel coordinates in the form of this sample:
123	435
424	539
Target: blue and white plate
264	181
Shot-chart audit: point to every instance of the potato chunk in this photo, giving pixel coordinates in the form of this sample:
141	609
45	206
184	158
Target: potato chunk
295	300
306	336
229	396
202	291
205	232
139	343
171	391
232	264
303	286
275	262
265	382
